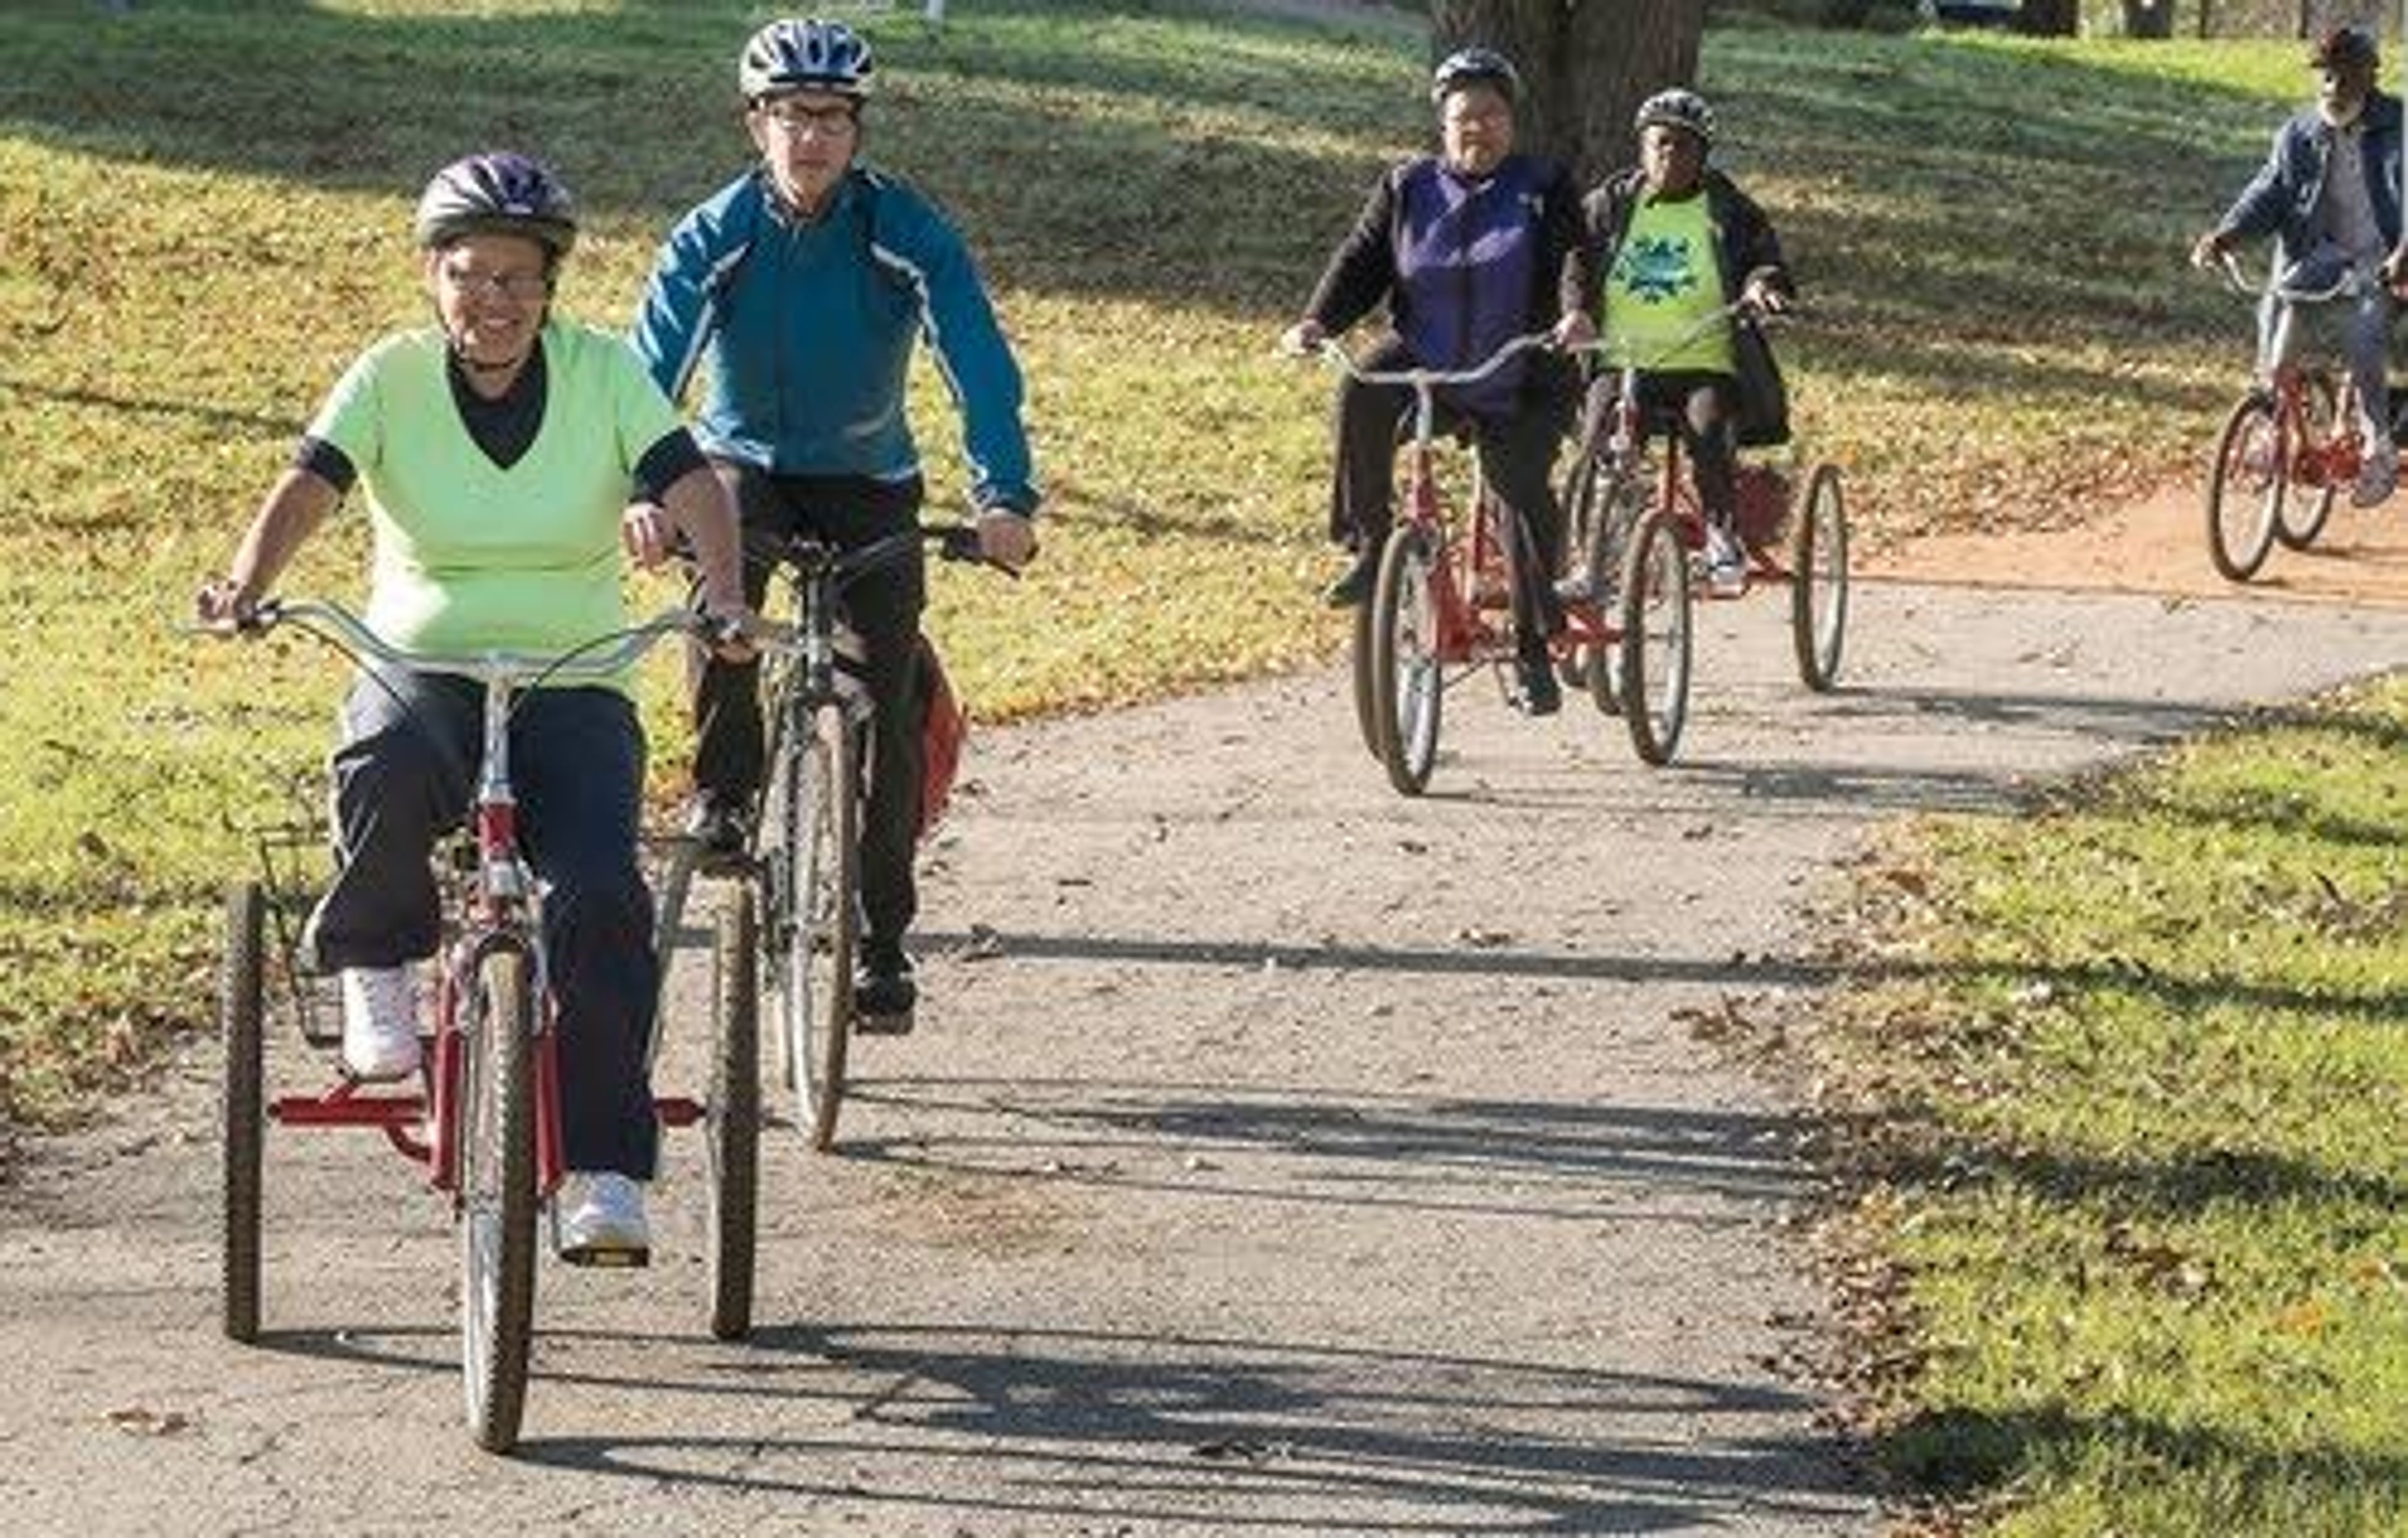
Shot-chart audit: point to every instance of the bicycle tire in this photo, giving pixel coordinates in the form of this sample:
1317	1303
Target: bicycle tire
1608	544
2305	510
1407	686
1818	580
241	1023
497	1194
811	876
1655	638
1366	720
2252	464
733	1124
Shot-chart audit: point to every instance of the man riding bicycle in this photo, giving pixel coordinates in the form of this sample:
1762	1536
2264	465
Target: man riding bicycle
497	449
799	289
1670	242
2329	195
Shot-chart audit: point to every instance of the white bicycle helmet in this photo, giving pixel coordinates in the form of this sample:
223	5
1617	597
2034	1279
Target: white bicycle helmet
1678	108
805	54
499	193
1474	67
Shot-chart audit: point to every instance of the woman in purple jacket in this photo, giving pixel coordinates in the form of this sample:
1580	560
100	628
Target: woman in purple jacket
1465	247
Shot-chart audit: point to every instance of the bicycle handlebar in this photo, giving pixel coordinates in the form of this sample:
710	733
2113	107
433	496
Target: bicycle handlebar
2349	285
587	662
1338	357
1704	324
953	542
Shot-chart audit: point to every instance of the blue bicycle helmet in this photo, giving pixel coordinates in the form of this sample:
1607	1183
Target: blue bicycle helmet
498	193
808	54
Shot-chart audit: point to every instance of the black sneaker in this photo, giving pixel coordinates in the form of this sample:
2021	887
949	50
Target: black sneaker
1540	694
719	823
884	992
1356	586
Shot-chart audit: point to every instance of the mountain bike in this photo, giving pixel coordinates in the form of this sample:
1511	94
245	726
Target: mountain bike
485	1117
1638	526
791	922
2290	443
1443	597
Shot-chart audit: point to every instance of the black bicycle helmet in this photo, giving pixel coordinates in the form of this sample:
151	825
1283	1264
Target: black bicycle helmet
498	193
1678	108
1469	66
808	54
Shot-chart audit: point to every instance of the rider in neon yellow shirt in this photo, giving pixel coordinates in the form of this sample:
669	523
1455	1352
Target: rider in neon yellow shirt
1668	243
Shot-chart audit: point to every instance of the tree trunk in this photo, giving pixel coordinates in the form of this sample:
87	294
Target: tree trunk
1584	69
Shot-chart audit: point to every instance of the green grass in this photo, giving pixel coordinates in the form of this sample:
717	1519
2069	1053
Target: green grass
206	203
2134	1075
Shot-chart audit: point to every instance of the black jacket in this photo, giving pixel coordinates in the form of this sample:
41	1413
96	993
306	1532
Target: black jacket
1746	248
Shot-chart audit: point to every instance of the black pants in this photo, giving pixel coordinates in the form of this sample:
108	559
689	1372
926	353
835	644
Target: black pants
884	608
1703	408
404	773
1517	456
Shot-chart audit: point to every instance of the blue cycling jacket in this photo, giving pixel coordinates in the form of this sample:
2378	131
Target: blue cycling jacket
2285	198
804	334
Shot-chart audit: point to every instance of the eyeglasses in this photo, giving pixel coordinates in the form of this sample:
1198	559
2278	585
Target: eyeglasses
519	288
795	118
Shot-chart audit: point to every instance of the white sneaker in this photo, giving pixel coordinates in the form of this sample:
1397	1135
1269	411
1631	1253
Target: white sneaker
380	1023
2376	479
1726	563
601	1219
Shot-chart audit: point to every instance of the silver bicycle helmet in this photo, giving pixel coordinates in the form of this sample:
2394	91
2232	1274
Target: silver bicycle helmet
1469	66
805	54
499	193
1678	108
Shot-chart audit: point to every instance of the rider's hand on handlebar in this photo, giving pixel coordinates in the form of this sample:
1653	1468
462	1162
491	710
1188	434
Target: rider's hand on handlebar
2207	250
1764	297
729	628
224	605
1575	329
647	533
1302	338
1006	537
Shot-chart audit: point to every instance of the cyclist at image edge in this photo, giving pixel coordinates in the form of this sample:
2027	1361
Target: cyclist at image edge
1465	247
1666	244
497	449
2329	195
798	291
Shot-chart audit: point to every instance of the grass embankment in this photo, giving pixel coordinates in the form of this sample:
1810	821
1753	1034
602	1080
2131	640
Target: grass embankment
195	244
2132	1095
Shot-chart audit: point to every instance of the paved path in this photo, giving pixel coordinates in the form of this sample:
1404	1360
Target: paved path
1276	1155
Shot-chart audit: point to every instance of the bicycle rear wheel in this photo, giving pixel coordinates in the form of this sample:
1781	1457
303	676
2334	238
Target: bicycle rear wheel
497	1196
811	872
733	1125
1818	580
1406	687
241	1016
2302	514
1655	636
2245	488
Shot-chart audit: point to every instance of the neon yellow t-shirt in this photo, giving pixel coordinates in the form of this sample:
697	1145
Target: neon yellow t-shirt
1667	279
471	557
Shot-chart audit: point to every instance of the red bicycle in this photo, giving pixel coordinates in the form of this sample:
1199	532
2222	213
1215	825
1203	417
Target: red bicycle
1637	525
2291	443
1441	606
484	1120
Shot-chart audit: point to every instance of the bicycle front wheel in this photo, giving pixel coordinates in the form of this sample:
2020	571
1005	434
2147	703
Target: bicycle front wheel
2245	488
497	1196
242	1014
733	1126
1654	642
810	875
2302	514
1406	684
1607	549
1818	580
